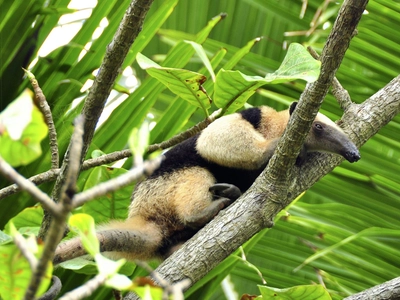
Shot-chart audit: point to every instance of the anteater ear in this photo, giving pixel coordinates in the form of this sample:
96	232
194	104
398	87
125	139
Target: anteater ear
292	107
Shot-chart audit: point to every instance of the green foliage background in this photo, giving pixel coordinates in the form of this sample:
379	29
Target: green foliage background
352	214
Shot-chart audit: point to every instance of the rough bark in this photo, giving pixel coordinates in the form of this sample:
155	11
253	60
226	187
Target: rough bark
389	290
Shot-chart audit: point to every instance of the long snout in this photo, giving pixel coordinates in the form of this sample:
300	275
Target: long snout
350	152
352	155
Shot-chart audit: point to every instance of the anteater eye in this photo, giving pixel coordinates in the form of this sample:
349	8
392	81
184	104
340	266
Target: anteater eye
318	126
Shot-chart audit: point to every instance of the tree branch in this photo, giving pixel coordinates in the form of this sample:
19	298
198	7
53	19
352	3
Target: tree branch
85	290
57	228
117	183
385	291
41	102
25	185
239	222
257	208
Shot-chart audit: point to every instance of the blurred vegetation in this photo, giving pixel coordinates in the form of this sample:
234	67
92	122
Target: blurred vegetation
354	210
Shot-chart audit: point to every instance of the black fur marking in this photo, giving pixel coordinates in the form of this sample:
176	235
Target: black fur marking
292	107
253	116
184	155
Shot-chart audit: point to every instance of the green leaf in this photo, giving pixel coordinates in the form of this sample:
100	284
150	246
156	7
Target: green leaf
139	140
308	292
22	128
89	267
29	219
109	269
203	57
16	272
148	292
297	64
233	88
80	265
4	238
184	83
84	225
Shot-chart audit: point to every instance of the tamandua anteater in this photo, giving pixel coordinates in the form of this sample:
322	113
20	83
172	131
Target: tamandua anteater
204	174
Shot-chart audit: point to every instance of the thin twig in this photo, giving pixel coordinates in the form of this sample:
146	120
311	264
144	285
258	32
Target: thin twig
74	164
338	91
46	111
47	176
117	183
186	134
20	242
26	185
54	289
57	226
85	290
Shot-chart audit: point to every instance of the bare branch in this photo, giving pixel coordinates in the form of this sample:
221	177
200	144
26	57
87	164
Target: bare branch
54	289
85	290
186	134
26	185
117	183
20	242
46	111
57	226
73	160
257	208
117	50
389	290
341	95
47	176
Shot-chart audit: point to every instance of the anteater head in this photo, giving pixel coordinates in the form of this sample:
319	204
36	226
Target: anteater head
326	136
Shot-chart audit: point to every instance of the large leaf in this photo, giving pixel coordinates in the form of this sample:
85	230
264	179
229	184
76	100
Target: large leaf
184	83
22	128
310	292
233	88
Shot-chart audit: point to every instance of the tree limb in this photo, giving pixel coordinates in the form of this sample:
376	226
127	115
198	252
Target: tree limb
57	226
41	102
385	291
244	218
257	208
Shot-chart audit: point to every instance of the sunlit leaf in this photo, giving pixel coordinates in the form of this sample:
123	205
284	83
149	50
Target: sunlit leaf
84	225
22	128
309	292
15	273
184	83
233	88
203	57
139	140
